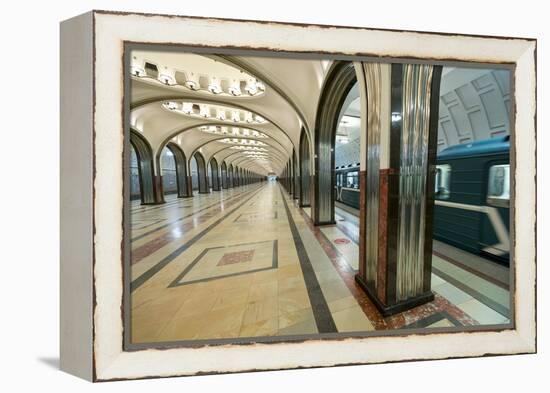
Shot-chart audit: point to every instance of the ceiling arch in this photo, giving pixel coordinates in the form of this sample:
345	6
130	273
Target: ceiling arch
264	71
213	148
218	142
161	126
229	155
285	94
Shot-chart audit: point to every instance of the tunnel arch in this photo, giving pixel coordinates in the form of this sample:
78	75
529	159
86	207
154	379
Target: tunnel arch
230	176
213	101
148	187
277	159
239	63
201	173
279	154
224	174
181	169
340	79
296	175
305	165
214	174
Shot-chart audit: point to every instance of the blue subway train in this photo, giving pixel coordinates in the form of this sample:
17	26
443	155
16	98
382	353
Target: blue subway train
472	196
347	185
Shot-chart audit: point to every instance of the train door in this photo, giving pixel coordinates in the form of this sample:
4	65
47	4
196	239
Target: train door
339	186
495	228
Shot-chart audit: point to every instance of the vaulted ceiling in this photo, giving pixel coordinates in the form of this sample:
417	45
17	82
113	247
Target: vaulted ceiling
245	110
250	110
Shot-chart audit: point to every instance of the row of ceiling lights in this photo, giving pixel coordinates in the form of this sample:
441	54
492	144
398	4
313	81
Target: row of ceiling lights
249	148
234	131
242	142
221	113
167	76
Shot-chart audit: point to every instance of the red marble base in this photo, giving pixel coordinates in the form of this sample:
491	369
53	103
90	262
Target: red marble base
392	309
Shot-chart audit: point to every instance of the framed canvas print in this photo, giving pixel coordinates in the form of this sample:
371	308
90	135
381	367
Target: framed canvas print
244	195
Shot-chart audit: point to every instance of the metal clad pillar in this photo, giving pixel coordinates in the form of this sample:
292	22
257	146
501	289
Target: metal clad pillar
304	171
403	102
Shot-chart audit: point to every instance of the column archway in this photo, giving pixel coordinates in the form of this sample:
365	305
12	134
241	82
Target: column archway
225	180
181	169
296	175
201	173
144	153
214	174
230	176
305	182
340	79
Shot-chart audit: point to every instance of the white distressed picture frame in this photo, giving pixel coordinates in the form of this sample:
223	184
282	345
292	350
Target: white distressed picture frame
92	138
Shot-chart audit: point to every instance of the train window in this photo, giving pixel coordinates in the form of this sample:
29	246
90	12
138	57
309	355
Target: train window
352	179
339	179
498	192
443	181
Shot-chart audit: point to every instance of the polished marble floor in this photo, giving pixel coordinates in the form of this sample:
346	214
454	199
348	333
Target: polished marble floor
247	262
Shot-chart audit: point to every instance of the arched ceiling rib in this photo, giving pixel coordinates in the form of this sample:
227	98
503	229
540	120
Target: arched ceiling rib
219	150
297	81
287	97
152	117
276	160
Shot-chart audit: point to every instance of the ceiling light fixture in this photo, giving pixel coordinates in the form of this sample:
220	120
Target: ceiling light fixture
221	114
204	111
187	108
137	68
192	81
236	116
235	88
167	76
251	86
171	105
214	87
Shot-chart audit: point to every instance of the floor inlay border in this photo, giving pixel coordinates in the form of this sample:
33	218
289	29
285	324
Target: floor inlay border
239	195
321	311
139	281
274	264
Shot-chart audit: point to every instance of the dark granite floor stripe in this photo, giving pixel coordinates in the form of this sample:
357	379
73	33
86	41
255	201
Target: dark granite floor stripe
174	254
499	308
242	194
321	311
173	202
425	322
452	319
274	264
146	208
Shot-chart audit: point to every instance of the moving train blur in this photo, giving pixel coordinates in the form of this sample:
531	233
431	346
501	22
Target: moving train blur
472	196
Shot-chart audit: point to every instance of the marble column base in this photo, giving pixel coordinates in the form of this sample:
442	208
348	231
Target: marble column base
391	309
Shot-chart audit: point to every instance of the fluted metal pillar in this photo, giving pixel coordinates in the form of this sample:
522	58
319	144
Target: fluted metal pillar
398	200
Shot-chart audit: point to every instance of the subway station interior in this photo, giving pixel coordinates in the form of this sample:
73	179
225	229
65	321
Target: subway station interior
274	195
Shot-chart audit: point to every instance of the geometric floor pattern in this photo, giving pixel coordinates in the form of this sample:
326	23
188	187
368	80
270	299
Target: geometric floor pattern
248	262
227	261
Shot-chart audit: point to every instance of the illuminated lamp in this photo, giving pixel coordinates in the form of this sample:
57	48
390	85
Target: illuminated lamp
235	88
214	87
192	81
221	114
187	108
171	105
137	67
251	87
204	111
167	76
